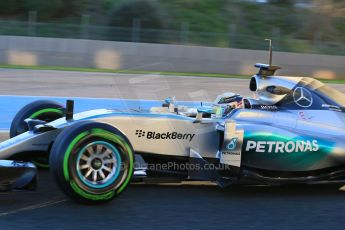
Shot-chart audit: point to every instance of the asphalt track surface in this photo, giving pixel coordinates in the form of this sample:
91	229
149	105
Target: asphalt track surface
185	206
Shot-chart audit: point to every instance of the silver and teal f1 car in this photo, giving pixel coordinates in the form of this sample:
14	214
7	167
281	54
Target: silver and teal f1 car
292	131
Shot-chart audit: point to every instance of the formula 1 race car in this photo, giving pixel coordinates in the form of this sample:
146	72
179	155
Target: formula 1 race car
292	131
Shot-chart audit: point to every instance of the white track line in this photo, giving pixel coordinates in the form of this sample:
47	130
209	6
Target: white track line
32	207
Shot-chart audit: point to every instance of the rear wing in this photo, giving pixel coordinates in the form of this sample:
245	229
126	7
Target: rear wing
266	70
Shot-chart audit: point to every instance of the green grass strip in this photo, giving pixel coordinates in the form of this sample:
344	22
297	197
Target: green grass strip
128	71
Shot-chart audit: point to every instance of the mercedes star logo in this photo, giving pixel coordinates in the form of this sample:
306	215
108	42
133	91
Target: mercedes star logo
302	97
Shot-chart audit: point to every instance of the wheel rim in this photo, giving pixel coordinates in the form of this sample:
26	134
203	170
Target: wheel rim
98	164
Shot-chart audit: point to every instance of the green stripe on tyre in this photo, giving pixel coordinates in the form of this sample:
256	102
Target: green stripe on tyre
68	153
42	165
86	195
42	111
106	135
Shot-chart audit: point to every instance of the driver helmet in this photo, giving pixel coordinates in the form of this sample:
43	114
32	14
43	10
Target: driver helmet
226	102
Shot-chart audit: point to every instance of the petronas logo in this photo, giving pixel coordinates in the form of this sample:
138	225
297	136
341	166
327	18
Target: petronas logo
232	144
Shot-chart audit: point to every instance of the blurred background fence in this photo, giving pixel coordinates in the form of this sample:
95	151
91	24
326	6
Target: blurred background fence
184	36
223	36
66	52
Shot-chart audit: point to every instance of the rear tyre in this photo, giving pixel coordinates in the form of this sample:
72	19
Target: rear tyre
92	162
43	110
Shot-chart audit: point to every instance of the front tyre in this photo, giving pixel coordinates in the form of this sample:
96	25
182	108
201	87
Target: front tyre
92	162
44	110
